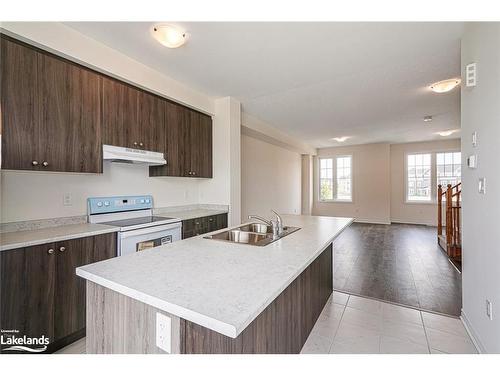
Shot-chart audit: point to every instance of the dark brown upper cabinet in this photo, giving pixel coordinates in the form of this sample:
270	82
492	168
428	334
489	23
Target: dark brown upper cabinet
51	112
188	140
57	114
131	117
19	106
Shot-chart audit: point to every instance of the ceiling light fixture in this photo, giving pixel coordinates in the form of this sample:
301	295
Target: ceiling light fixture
168	35
445	86
340	139
446	133
427	118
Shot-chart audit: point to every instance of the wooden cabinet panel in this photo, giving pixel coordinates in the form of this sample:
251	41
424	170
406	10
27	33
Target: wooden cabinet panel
69	314
70	137
27	290
176	140
19	106
204	147
120	114
40	291
202	225
151	122
50	112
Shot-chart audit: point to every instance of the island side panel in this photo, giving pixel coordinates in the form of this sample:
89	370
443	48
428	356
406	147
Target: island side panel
283	327
117	324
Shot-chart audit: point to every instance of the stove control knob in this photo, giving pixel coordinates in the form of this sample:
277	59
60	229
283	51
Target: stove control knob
106	203
148	201
142	201
99	204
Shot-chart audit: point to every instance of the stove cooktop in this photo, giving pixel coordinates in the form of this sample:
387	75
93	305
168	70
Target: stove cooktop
139	221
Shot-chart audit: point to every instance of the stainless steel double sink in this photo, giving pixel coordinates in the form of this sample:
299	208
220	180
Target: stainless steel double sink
255	234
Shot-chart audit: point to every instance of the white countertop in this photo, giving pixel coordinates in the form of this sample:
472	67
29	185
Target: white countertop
14	240
192	214
221	286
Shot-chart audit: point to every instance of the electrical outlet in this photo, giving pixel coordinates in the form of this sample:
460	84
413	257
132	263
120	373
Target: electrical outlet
67	199
489	309
163	332
474	139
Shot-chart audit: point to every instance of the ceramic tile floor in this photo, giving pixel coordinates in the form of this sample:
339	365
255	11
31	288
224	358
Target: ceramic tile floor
350	324
356	325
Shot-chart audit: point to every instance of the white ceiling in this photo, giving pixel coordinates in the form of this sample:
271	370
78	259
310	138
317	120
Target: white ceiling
314	81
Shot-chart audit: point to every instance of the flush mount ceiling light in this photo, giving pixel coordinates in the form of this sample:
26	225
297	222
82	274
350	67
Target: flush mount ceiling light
446	133
445	86
168	35
427	118
340	139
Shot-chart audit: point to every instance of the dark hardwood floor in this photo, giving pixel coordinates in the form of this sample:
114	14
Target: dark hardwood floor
399	263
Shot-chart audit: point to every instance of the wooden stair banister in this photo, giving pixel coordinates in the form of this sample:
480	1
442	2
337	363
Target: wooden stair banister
451	242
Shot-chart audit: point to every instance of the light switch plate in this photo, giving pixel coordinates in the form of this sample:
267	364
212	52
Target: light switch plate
474	139
67	200
472	161
482	185
163	332
489	310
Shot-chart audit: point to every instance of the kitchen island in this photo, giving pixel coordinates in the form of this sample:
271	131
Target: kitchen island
217	297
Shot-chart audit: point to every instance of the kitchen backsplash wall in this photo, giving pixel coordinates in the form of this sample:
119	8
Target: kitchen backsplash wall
32	195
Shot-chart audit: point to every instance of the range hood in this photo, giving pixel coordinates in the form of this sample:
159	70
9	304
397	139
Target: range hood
132	155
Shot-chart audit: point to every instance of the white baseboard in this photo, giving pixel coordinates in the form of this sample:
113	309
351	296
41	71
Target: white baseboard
368	221
472	334
396	221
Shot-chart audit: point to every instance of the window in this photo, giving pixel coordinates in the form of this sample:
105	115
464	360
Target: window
448	168
419	178
335	175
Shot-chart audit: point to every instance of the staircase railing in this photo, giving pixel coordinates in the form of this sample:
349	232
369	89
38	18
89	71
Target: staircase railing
452	217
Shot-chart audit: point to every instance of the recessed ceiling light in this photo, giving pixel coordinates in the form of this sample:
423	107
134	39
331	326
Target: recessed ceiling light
340	139
445	86
446	133
427	118
168	35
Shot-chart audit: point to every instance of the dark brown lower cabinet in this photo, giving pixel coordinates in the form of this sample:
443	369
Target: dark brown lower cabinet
202	225
40	292
282	328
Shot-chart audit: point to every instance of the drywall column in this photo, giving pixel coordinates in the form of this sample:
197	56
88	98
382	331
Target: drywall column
481	253
225	186
307	184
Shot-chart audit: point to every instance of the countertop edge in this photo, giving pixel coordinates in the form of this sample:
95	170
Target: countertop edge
195	317
181	312
17	245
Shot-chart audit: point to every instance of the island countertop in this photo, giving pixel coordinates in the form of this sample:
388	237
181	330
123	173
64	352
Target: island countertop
219	285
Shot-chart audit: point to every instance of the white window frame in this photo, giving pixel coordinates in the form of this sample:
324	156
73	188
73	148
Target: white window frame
433	174
334	178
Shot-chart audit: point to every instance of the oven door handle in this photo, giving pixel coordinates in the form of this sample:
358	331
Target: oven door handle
155	229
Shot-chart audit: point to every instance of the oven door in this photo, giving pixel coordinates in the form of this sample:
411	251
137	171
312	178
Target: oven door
146	238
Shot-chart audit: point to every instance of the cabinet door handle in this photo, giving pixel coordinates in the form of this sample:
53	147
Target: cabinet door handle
50	251
141	144
194	173
62	249
45	163
34	162
135	143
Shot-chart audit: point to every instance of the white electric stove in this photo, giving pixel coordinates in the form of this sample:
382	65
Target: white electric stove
139	229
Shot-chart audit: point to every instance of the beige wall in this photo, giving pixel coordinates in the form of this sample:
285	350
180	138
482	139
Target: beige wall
418	213
270	179
371	184
379	183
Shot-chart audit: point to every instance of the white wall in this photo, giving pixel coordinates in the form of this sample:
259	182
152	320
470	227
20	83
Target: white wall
481	253
225	186
401	211
270	179
32	195
371	184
